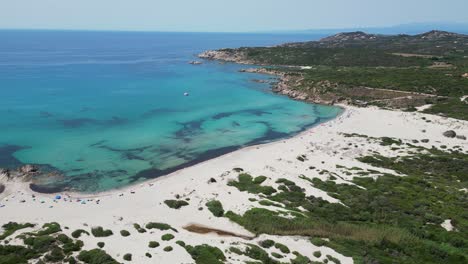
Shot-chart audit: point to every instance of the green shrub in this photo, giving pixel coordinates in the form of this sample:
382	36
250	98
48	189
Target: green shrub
124	233
148	255
139	228
101	244
317	254
167	237
317	241
153	244
100	232
276	255
180	243
55	255
160	226
267	243
77	233
246	183
206	254
96	256
215	207
12	227
48	229
127	257
175	204
168	249
282	248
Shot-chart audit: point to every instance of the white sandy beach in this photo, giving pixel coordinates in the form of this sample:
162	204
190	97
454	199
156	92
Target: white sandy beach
324	146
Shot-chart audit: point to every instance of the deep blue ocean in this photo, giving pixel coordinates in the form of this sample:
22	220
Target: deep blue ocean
101	110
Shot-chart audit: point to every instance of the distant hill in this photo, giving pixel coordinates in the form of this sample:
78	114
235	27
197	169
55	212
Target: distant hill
410	29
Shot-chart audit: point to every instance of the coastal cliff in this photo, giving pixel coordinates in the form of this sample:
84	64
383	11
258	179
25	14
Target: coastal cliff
405	72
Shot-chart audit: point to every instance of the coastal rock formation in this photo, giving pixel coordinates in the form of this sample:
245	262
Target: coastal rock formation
229	55
195	62
28	169
4	173
450	134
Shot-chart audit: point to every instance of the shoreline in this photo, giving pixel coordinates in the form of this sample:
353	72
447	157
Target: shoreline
27	185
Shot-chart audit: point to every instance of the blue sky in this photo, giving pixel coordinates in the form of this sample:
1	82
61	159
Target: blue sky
225	15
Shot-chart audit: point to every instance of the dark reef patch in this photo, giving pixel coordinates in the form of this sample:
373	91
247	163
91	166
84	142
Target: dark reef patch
45	114
159	111
210	154
7	159
189	129
89	182
255	112
2	188
80	122
47	188
77	122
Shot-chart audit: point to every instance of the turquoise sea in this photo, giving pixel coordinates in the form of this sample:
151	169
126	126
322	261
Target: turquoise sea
101	110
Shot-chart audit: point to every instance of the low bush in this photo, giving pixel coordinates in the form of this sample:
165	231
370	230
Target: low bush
124	233
215	207
176	204
127	257
167	237
101	232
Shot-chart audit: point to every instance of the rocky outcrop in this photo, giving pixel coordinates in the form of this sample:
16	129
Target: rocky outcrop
227	55
195	62
4	173
28	169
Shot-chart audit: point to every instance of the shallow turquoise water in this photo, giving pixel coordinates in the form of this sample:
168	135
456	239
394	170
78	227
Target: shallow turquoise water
102	110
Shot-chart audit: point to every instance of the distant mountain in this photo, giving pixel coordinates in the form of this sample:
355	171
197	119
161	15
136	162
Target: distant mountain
410	29
431	42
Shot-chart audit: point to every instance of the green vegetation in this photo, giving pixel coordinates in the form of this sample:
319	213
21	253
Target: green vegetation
101	232
205	254
283	248
180	243
96	256
215	207
357	67
176	204
101	244
127	257
139	228
317	254
167	237
160	226
77	233
168	249
124	233
46	245
12	227
246	183
153	244
389	219
267	243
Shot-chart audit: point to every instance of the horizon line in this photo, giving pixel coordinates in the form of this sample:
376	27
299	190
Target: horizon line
272	31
